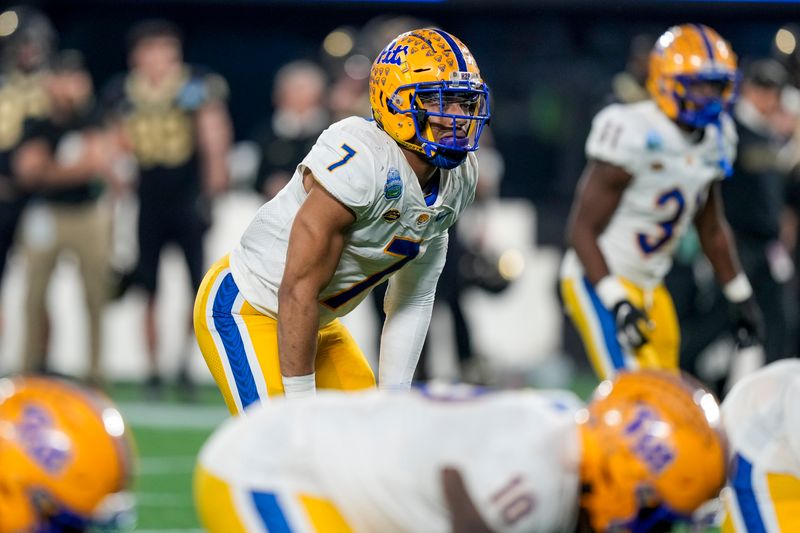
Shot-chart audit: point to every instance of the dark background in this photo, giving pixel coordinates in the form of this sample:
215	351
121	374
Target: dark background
548	63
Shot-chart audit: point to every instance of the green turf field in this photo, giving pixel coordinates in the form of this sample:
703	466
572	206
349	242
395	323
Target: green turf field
168	436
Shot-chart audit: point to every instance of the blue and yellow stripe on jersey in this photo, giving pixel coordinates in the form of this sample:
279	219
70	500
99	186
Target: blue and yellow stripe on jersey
240	346
225	508
597	329
760	501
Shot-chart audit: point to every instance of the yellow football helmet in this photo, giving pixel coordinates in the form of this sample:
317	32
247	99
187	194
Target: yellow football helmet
65	459
424	74
684	56
653	452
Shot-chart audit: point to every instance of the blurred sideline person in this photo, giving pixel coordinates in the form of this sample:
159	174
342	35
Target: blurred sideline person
646	453
762	421
754	201
630	85
178	126
654	167
69	157
297	120
23	99
373	199
66	458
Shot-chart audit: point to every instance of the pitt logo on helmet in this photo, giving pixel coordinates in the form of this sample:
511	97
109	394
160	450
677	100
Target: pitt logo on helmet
426	92
391	56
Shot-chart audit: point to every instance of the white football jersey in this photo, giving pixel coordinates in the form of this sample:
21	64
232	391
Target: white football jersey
761	415
671	177
365	169
378	456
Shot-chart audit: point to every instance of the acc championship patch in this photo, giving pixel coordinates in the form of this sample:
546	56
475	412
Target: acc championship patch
391	215
394	185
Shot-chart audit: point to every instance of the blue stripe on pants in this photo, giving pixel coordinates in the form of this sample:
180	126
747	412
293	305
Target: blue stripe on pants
232	341
742	483
607	326
271	512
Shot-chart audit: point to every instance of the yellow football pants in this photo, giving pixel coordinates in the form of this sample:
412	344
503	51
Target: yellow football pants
760	501
225	508
240	346
599	334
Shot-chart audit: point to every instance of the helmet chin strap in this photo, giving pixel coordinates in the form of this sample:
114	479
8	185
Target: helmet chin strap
443	158
724	163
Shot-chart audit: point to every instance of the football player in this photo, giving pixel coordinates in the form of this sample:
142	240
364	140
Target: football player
65	459
372	199
654	168
645	454
762	421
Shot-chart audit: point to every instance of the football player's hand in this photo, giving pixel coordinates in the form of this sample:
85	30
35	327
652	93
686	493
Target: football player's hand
748	323
633	327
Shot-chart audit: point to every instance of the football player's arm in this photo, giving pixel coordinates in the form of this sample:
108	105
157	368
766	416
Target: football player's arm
408	306
315	246
717	242
214	137
716	237
464	516
599	192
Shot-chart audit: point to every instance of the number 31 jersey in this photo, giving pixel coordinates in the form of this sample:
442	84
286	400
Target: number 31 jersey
364	169
671	177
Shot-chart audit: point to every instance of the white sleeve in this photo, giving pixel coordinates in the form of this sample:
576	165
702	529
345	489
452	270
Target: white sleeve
615	138
408	306
342	163
730	139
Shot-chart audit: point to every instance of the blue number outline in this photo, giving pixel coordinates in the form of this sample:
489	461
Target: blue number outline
672	195
403	247
349	153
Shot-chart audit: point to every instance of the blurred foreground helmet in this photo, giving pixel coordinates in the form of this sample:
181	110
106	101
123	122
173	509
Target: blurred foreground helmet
653	452
683	57
65	459
429	73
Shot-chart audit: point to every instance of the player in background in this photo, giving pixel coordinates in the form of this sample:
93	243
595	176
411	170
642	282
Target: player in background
645	454
761	416
177	125
24	100
373	199
66	459
654	168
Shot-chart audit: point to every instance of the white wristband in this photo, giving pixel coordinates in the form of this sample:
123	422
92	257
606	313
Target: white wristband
300	386
738	289
611	291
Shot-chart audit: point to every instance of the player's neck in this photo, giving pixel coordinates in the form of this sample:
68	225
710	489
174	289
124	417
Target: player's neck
692	133
421	166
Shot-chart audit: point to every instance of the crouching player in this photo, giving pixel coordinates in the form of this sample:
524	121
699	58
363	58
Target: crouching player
643	455
65	459
761	415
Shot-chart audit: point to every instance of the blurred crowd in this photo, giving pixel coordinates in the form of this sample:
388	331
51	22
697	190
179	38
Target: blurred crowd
71	146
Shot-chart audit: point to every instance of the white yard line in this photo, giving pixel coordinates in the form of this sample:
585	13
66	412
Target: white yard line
163	465
164	499
173	416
